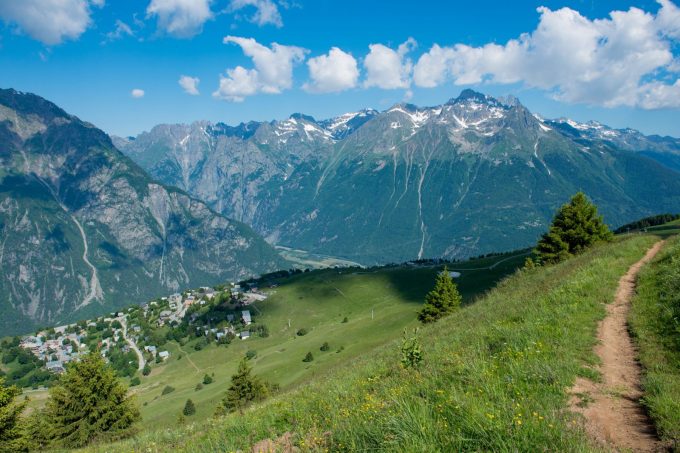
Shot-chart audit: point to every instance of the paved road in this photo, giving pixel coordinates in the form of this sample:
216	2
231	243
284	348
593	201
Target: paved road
133	345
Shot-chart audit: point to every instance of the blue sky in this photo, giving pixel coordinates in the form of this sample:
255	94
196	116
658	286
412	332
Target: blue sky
616	62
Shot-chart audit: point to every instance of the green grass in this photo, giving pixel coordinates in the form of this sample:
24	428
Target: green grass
494	378
655	324
379	304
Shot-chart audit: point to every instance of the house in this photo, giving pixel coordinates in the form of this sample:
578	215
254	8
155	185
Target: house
175	298
136	329
245	316
165	315
245	334
219	335
55	366
151	349
164	355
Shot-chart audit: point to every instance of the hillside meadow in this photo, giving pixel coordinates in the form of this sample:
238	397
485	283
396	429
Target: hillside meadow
494	378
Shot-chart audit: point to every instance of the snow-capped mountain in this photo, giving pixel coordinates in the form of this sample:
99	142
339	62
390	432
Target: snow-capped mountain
473	175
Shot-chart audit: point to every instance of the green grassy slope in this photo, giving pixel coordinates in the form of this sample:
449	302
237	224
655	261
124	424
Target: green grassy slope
655	324
379	304
495	377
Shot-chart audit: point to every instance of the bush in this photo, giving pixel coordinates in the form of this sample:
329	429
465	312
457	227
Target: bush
411	353
147	370
251	354
189	408
135	381
207	379
308	358
302	332
325	346
199	386
168	389
345	320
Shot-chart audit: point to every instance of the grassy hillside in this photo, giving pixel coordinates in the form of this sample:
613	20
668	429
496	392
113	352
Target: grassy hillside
378	304
655	324
495	377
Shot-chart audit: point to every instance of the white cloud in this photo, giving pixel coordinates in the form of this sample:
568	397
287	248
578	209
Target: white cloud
387	68
137	93
180	18
122	29
48	21
266	11
98	3
336	71
607	62
272	74
189	84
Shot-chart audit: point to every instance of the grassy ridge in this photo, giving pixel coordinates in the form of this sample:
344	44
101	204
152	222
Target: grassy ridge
378	303
655	324
495	377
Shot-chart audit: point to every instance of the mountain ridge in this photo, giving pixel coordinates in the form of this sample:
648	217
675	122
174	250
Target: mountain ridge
412	182
72	207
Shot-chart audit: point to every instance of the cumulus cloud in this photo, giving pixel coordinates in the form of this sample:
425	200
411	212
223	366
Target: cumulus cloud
333	72
137	93
180	18
189	84
272	74
266	11
387	68
48	21
607	62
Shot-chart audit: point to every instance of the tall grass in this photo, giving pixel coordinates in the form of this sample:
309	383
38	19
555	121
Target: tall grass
494	378
655	324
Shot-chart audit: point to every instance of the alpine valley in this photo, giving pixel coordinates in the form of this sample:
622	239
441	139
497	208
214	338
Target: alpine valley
84	230
472	176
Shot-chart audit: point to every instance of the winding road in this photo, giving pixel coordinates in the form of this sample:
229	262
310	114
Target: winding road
133	345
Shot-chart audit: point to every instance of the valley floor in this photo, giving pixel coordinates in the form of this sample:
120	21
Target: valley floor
495	377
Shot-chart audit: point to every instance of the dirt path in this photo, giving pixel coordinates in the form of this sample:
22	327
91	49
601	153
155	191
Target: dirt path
612	410
198	370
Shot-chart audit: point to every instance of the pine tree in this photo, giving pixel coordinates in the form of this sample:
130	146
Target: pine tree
442	300
245	388
576	227
89	403
10	412
189	408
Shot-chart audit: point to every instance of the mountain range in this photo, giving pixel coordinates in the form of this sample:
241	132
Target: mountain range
471	176
84	230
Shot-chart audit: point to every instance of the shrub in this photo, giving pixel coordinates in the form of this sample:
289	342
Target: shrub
308	358
168	389
207	379
147	370
251	354
135	381
302	332
189	408
199	386
411	352
325	346
245	388
345	320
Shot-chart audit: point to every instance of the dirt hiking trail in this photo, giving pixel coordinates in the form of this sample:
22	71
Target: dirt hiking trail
613	414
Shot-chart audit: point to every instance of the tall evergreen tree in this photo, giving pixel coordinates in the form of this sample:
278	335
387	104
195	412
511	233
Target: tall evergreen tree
442	300
245	388
89	403
11	437
575	227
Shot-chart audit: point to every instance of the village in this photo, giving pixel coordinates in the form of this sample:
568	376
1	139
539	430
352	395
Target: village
133	338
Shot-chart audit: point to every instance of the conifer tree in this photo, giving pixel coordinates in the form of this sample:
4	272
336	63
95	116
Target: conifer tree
10	423
189	408
89	403
442	300
245	388
576	227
